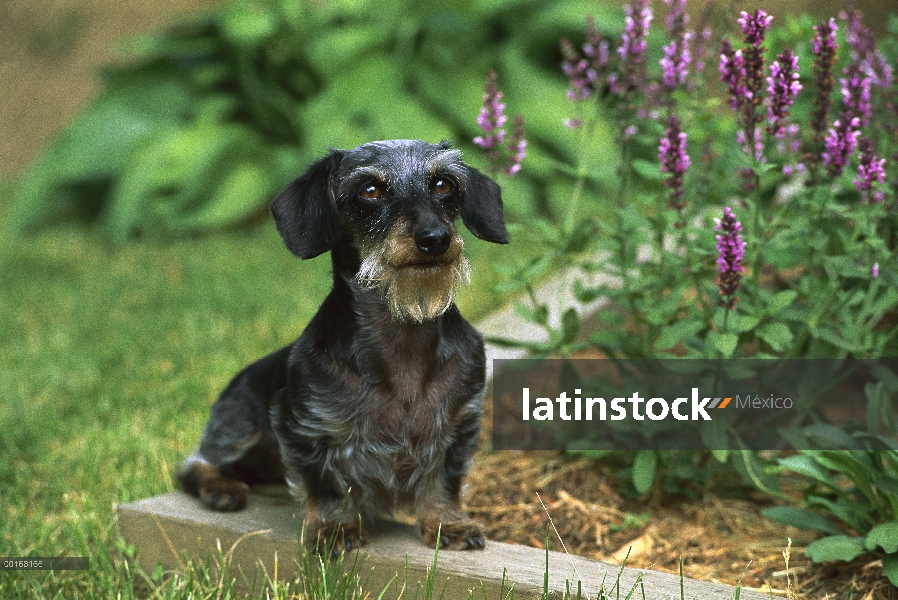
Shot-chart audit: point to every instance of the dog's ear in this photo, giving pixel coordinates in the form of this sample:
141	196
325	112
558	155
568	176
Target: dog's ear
306	212
481	209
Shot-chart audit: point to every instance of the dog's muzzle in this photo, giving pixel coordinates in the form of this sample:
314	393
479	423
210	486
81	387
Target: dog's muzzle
417	273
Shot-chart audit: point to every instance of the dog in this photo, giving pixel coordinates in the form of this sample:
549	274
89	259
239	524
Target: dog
382	393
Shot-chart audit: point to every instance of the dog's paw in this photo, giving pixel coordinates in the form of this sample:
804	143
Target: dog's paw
224	494
334	538
216	491
457	535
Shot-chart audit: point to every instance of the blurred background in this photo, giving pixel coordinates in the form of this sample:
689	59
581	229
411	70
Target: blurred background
140	144
51	52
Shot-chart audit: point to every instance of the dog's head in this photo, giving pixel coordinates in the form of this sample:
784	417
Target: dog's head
394	203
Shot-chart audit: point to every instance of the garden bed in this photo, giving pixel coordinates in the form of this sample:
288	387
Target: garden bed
720	536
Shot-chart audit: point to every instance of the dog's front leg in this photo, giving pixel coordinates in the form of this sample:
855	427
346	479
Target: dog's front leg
440	511
333	520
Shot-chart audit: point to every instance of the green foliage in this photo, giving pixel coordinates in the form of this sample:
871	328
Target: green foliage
211	118
820	274
807	289
856	489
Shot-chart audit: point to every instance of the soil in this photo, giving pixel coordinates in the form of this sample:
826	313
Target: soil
719	534
50	51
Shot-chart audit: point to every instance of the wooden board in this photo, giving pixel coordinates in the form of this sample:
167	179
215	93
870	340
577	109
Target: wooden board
171	528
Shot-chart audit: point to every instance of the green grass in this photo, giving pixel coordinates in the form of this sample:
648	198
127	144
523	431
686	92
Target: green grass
110	357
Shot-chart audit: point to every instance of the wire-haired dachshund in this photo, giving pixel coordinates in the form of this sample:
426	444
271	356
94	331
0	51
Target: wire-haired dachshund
382	394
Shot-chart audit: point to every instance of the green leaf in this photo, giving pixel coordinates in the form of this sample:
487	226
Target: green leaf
753	469
890	567
674	333
801	518
745	323
646	169
91	149
884	535
807	466
570	326
243	191
584	294
538	315
778	335
725	343
173	181
248	24
512	285
835	547
535	347
720	456
345	46
831	436
845	266
781	301
644	468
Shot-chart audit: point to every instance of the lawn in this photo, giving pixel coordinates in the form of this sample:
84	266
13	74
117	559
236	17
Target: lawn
111	357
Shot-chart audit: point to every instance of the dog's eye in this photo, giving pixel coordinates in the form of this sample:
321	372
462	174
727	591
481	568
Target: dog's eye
372	191
443	186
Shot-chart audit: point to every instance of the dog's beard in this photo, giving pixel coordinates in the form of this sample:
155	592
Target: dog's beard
414	292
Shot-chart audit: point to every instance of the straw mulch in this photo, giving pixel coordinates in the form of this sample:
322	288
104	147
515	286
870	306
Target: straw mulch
719	537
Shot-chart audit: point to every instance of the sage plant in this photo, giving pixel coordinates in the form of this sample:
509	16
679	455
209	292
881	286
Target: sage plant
730	252
504	155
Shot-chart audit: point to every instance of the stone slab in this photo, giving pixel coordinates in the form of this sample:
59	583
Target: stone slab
171	528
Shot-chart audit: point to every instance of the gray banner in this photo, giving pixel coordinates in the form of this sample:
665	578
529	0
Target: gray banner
733	404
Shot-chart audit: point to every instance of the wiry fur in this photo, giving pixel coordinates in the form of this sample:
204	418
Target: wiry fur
422	292
383	391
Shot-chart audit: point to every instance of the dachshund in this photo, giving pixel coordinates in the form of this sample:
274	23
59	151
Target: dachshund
382	394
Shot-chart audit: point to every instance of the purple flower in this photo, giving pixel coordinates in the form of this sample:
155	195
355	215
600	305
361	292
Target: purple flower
754	148
782	87
864	50
677	56
676	60
674	161
870	170
842	138
874	272
492	120
584	70
755	26
492	115
730	252
856	93
825	38
840	145
576	69
595	48
732	73
638	19
702	48
825	48
743	72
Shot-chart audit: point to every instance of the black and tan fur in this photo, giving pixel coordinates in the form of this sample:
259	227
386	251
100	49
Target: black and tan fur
383	391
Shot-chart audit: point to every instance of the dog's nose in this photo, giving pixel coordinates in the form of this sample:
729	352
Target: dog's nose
432	241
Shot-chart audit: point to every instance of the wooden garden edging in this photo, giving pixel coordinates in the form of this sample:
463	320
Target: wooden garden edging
169	528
